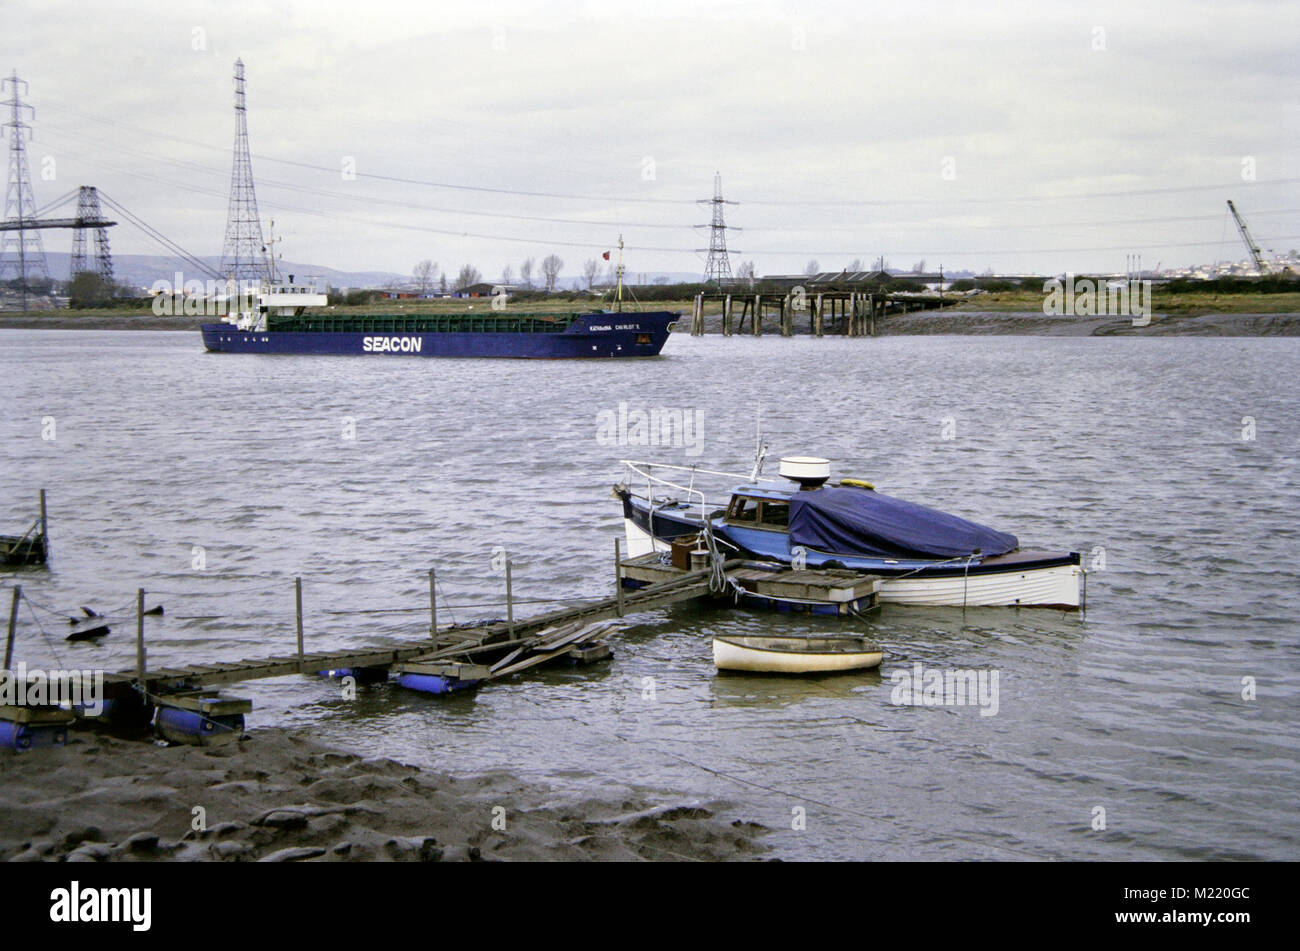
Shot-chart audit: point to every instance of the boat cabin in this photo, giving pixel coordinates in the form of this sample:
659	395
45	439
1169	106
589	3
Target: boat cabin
762	508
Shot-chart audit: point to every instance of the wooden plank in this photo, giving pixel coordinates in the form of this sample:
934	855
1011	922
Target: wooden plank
167	673
37	715
554	647
455	671
209	706
553	642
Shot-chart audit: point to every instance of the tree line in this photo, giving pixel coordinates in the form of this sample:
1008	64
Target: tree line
426	275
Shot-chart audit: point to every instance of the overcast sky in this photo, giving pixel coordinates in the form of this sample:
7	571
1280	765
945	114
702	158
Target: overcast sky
992	135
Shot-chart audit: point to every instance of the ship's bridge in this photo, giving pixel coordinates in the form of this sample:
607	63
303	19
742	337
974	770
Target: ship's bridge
290	295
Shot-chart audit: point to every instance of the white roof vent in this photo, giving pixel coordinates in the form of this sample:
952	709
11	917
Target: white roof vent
809	471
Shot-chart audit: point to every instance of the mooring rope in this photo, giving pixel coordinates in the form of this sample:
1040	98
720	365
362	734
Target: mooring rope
47	610
718	580
37	621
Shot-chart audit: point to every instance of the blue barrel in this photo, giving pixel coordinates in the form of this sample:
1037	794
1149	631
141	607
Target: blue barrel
127	712
433	683
192	727
26	736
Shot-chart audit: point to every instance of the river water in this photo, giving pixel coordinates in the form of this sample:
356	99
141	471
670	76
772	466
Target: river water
212	480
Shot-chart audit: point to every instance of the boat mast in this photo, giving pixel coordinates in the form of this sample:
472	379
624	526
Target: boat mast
619	298
760	450
272	273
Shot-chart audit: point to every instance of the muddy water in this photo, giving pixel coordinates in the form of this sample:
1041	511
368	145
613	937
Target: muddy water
213	480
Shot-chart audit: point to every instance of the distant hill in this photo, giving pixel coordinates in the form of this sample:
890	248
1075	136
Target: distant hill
142	270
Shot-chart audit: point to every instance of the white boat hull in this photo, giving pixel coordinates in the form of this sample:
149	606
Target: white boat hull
728	654
640	542
1057	586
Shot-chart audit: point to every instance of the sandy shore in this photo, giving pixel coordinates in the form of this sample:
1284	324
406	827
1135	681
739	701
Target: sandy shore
277	795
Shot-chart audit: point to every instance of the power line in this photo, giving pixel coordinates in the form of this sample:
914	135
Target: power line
161	238
599	246
197	189
776	202
371	199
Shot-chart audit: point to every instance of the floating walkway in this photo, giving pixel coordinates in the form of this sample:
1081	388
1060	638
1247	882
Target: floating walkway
184	702
527	638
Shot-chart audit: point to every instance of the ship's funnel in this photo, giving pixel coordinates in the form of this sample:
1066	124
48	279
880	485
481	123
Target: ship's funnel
809	471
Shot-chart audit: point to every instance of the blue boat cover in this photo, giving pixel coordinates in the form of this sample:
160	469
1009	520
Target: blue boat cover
850	521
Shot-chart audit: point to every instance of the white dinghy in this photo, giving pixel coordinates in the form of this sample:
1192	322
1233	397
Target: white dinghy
794	654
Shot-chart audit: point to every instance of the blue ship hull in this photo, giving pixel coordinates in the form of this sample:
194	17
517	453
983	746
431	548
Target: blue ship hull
590	335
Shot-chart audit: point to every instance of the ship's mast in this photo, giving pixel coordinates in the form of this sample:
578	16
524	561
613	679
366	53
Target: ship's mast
619	298
272	272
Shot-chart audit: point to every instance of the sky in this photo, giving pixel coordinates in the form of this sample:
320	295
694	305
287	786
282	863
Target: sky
1018	137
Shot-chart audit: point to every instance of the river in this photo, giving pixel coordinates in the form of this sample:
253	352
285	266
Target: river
213	480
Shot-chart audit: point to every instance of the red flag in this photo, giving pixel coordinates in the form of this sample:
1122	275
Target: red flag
605	255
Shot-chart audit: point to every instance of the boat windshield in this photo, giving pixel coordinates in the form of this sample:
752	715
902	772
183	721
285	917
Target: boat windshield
775	514
764	513
743	510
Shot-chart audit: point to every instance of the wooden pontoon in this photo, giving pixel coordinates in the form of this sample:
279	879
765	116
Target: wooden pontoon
30	548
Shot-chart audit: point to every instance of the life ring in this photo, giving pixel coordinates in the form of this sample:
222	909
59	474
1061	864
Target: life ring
857	484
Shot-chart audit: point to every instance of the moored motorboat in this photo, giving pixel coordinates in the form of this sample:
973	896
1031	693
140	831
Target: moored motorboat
922	556
794	654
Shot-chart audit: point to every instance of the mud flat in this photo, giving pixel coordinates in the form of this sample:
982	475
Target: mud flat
64	320
277	795
1036	323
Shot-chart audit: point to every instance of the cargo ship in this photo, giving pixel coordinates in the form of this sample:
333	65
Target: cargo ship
554	336
284	317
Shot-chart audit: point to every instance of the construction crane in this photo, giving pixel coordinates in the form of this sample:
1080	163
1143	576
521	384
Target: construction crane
1251	246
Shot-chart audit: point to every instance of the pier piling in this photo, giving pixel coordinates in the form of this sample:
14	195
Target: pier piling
45	528
510	601
297	595
139	636
433	609
13	626
618	574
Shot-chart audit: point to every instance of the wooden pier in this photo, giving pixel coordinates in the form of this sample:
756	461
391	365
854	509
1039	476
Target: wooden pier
30	548
452	657
450	645
821	312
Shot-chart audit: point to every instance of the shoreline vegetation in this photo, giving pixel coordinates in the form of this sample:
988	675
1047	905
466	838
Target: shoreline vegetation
1174	313
276	795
